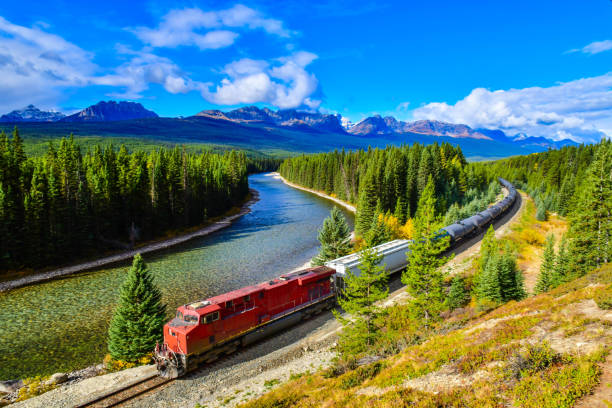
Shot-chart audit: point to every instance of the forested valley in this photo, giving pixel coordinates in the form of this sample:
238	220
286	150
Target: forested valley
391	180
70	204
575	182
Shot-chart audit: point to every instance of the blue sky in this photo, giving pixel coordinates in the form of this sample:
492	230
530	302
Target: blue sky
542	68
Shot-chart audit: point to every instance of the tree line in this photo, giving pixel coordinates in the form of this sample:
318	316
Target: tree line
389	180
575	182
69	204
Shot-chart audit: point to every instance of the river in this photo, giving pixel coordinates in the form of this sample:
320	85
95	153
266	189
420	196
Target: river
61	325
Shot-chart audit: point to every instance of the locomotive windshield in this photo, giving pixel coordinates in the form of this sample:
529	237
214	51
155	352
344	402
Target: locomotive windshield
191	319
187	319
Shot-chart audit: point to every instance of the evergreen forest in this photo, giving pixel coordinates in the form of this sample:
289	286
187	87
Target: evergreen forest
390	180
69	204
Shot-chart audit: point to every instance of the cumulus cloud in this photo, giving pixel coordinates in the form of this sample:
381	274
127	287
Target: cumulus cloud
143	69
284	83
36	65
595	47
580	110
187	26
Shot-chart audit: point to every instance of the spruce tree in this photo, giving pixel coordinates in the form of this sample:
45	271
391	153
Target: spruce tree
335	238
561	269
137	323
488	287
510	277
366	207
501	280
360	294
423	276
488	248
547	268
591	221
458	296
379	233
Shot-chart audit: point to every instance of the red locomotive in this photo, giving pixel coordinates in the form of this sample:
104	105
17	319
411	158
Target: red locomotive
203	330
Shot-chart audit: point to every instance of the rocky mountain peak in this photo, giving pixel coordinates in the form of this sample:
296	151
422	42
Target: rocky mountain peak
31	114
106	111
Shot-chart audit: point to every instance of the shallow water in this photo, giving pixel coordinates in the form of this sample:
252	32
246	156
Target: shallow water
61	325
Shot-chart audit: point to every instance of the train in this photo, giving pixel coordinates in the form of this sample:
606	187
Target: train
204	330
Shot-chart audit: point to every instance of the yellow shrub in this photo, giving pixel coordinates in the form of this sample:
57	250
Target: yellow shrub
33	387
407	230
118	365
531	237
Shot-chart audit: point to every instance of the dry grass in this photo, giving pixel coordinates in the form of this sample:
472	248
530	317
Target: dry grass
527	237
544	351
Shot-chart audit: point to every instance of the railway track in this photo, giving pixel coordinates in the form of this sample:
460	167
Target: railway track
124	394
148	384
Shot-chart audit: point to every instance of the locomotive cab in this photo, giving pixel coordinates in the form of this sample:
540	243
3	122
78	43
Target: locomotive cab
171	356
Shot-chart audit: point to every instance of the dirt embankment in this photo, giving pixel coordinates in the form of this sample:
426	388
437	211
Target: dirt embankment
123	256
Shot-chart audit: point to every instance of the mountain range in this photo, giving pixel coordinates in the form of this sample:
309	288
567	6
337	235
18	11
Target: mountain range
290	130
31	114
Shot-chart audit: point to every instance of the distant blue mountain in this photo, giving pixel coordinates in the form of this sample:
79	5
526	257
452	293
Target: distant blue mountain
31	114
111	111
286	130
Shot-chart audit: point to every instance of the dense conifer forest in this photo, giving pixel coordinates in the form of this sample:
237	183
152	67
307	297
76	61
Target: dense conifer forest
389	180
70	203
551	177
575	182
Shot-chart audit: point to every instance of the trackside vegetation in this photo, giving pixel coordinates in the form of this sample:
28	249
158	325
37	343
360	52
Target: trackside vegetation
137	323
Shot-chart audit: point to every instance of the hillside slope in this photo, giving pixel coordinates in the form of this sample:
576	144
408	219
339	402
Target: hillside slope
545	351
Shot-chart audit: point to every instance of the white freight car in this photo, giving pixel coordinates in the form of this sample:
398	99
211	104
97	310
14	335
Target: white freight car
393	258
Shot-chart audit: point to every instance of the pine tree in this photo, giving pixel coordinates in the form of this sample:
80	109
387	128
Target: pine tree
501	280
488	247
379	233
457	295
488	287
137	323
360	294
591	222
510	277
366	207
335	238
423	276
561	269
547	268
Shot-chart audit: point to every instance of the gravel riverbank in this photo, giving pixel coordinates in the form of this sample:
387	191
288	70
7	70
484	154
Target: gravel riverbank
344	204
123	256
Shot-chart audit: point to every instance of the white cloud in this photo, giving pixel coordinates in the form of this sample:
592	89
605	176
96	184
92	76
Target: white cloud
285	83
403	107
36	65
580	110
595	47
186	26
145	68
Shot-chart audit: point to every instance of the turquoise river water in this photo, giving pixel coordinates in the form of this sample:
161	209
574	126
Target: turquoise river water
61	325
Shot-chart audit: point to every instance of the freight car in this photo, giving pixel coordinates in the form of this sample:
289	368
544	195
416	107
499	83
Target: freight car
204	330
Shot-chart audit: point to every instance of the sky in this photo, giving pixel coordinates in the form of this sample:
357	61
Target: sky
541	68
